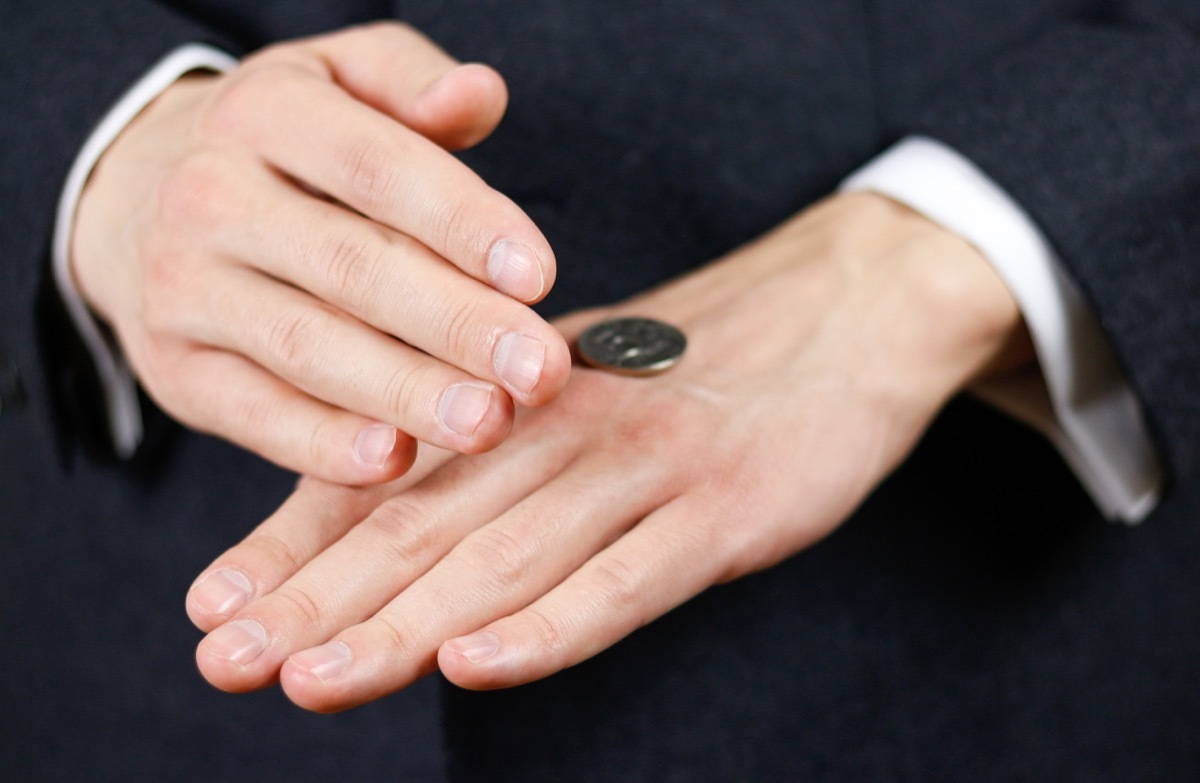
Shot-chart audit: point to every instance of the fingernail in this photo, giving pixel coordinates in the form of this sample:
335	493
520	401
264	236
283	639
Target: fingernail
463	407
374	445
324	662
222	592
519	361
477	647
240	641
513	268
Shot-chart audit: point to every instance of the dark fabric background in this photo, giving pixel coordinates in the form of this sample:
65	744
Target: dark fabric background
976	620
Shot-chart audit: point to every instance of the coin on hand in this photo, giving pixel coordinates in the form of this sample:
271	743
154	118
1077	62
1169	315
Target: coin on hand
632	346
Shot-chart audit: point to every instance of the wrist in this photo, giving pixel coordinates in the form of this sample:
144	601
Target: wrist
937	314
107	212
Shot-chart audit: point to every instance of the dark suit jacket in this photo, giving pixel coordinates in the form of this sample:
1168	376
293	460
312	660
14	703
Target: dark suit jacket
975	620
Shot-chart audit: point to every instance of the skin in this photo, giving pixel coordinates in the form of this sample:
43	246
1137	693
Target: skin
817	356
291	257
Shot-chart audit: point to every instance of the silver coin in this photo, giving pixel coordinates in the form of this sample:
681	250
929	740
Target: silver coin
632	346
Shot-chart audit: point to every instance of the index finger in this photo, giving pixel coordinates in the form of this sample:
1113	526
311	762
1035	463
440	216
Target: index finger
315	131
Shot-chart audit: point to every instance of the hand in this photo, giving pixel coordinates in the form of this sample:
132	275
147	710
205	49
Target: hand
291	257
816	358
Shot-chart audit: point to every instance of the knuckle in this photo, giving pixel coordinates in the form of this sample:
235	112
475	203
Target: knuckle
372	174
617	584
295	337
253	414
392	633
192	195
458	325
456	221
239	108
300	605
407	393
351	265
267	548
406	531
319	443
550	634
500	556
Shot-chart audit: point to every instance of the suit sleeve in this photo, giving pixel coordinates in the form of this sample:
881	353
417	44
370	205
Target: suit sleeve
62	66
1094	128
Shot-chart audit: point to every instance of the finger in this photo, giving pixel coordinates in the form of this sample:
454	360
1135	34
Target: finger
460	109
373	562
399	286
226	395
315	516
313	131
666	560
494	571
402	73
346	363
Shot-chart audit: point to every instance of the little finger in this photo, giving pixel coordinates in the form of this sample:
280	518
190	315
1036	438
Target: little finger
665	560
227	395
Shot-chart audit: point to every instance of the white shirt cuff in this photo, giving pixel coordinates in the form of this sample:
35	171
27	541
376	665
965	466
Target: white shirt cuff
117	382
1080	400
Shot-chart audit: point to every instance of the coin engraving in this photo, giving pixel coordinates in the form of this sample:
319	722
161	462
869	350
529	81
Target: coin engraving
632	346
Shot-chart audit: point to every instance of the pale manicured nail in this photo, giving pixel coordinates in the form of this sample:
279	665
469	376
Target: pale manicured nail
514	269
222	592
374	445
463	407
239	642
477	647
324	662
519	360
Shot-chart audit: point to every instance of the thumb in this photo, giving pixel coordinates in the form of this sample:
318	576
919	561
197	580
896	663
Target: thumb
400	72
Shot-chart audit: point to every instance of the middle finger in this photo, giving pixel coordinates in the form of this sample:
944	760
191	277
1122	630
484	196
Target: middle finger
401	287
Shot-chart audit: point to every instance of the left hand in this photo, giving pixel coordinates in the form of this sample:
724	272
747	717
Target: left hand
817	356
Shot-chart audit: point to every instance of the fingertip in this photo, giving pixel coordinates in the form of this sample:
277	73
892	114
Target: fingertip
456	668
230	657
480	662
556	369
559	363
299	686
216	595
380	453
515	269
462	107
475	417
549	263
314	679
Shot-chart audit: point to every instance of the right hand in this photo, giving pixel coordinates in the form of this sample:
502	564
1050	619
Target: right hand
292	259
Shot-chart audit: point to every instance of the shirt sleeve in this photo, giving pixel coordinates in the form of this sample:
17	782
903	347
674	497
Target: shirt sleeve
116	380
1077	395
1090	124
